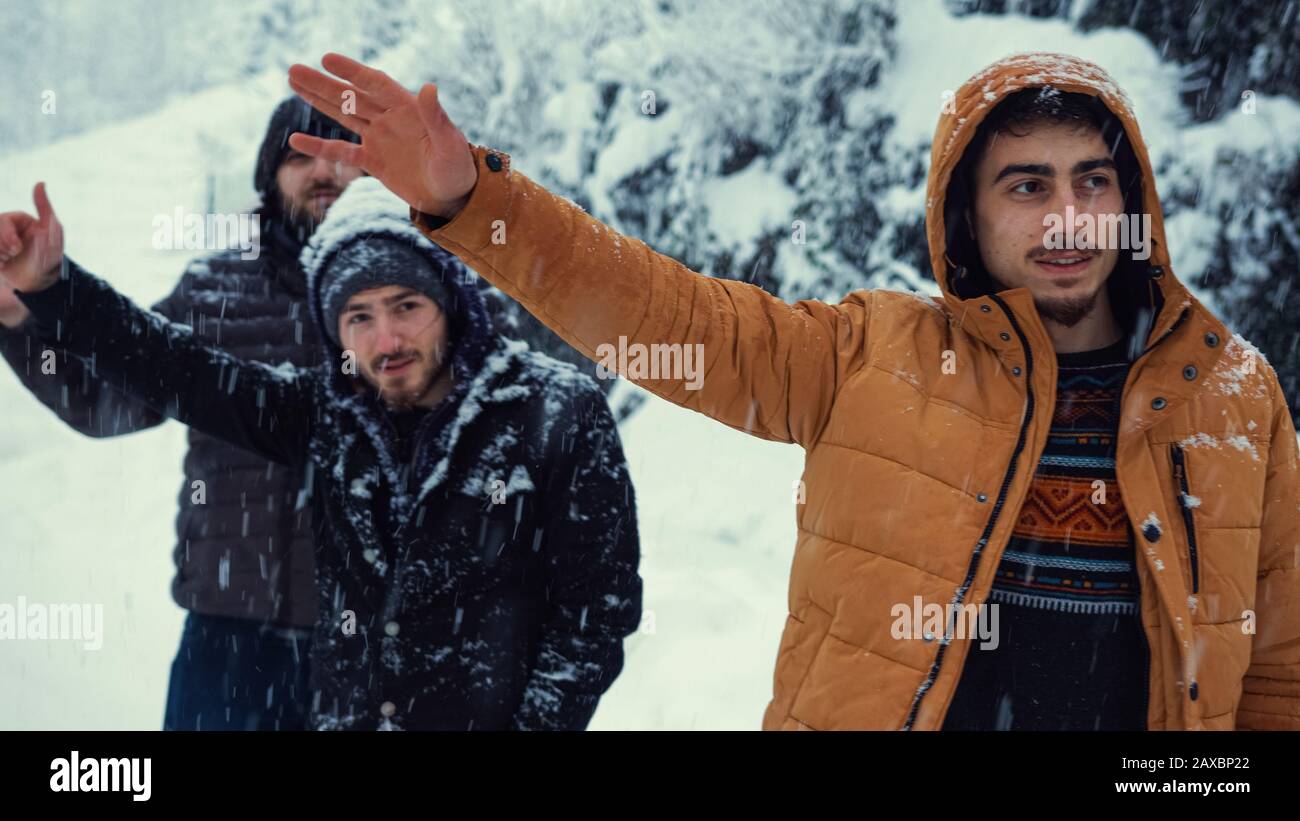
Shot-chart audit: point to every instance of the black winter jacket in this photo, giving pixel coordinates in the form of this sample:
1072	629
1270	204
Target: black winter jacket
486	584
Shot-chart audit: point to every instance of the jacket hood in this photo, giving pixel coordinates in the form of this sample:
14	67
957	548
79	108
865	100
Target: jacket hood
292	116
957	126
367	210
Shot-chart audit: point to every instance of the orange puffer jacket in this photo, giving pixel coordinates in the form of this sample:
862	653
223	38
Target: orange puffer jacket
915	471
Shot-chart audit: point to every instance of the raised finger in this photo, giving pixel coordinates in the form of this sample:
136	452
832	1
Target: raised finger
348	153
44	211
332	110
385	90
312	80
327	88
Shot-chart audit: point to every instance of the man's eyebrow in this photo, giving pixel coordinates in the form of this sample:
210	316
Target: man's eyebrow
1048	170
1085	166
365	306
1026	168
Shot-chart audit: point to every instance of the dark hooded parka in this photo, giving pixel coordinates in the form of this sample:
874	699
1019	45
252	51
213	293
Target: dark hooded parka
485	582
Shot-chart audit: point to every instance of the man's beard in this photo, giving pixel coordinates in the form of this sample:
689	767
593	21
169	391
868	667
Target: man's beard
301	217
1067	311
407	398
300	220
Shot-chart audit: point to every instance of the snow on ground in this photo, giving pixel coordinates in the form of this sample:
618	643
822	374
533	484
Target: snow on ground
90	521
86	521
717	530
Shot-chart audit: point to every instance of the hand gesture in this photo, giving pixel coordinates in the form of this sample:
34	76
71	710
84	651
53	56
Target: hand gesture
31	248
407	140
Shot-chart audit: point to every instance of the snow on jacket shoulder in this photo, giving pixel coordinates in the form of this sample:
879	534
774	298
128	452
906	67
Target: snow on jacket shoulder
913	475
489	587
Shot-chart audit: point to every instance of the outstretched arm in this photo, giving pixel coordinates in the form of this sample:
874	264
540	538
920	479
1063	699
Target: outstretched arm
760	365
141	354
72	387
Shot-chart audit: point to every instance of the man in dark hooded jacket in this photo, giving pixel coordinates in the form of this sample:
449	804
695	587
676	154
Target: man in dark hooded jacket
243	550
475	524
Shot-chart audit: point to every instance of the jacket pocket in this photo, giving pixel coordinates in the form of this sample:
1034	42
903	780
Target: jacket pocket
1186	502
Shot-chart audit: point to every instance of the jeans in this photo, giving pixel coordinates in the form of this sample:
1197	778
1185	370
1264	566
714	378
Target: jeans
239	674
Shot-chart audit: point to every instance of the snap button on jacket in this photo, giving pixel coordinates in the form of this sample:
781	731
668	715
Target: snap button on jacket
915	472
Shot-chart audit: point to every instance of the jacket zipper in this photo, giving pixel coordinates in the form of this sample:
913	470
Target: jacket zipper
419	437
1146	644
1007	479
1183	494
391	598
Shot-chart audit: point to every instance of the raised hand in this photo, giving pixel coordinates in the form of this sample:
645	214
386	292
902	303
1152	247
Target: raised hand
407	140
31	248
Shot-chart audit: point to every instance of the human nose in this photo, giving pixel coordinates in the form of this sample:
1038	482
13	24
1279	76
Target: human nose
323	170
388	338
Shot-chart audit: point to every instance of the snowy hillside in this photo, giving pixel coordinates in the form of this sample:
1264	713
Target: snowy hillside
91	521
787	127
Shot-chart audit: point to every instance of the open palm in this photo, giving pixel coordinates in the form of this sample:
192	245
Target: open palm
407	140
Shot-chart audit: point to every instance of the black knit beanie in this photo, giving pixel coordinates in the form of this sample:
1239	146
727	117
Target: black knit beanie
373	262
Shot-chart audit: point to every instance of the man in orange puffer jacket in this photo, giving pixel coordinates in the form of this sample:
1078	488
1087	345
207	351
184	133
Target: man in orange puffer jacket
1061	496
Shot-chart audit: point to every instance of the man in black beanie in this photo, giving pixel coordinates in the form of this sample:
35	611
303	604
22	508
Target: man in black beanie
244	549
477	544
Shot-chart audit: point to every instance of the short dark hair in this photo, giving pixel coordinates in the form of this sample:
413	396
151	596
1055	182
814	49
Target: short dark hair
1022	112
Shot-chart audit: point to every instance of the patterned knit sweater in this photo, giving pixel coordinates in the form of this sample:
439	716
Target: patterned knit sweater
1071	654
